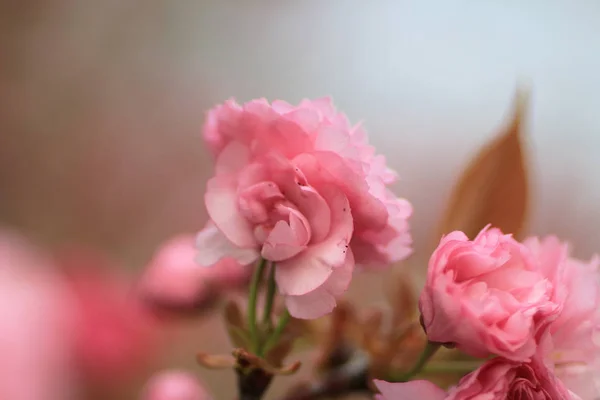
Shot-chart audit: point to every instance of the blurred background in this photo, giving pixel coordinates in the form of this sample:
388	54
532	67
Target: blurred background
102	104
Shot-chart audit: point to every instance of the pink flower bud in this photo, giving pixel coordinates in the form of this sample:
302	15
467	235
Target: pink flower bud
173	278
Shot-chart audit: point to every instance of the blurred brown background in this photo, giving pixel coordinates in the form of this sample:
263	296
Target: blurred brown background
102	103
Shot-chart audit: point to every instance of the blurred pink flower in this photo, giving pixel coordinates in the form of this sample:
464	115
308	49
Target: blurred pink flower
173	278
420	389
116	336
300	187
35	325
66	320
575	349
489	295
174	385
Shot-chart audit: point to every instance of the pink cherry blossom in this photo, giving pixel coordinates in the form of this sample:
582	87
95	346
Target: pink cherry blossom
174	385
173	278
575	348
300	187
488	295
503	379
497	379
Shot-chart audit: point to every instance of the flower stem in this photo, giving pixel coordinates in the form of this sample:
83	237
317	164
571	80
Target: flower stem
450	367
270	297
252	297
276	335
426	354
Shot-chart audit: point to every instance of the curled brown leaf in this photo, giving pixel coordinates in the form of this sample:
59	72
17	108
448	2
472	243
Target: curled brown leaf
247	360
493	189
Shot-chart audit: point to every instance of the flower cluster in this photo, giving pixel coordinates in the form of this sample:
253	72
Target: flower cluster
298	203
529	305
301	188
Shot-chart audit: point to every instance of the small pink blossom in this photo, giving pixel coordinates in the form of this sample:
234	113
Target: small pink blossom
300	187
174	385
173	278
497	379
488	295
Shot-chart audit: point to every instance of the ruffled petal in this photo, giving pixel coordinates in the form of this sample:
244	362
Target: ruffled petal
322	300
309	270
232	159
312	305
301	274
213	246
325	168
286	239
222	205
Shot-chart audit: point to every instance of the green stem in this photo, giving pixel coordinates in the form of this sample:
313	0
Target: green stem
450	367
252	297
270	297
426	354
276	335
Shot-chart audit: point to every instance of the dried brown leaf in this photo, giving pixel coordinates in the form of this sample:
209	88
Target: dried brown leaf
215	361
245	359
372	333
402	299
493	188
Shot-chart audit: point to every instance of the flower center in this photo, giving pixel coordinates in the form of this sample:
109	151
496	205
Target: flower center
279	226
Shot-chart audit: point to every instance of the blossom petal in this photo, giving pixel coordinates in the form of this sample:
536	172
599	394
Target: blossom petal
421	389
221	203
306	118
222	125
232	159
301	274
309	269
307	199
317	212
286	240
255	201
322	300
213	246
312	305
341	277
324	168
